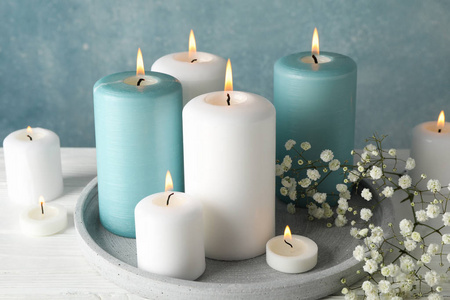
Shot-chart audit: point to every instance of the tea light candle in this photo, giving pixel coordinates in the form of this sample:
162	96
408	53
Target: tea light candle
47	219
315	99
33	165
291	253
138	136
169	234
198	72
229	156
430	149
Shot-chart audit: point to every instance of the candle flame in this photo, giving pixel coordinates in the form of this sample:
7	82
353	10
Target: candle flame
29	130
315	43
441	120
139	64
192	45
287	234
169	182
41	200
228	77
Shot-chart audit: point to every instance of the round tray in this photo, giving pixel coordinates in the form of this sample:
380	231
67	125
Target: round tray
115	258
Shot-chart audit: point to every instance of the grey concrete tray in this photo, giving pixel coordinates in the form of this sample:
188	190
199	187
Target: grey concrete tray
115	258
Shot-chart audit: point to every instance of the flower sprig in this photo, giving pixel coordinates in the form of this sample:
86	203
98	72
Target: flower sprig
398	263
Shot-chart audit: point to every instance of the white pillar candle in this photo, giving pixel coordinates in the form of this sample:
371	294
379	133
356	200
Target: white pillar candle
45	219
229	164
198	72
291	253
33	165
169	235
430	149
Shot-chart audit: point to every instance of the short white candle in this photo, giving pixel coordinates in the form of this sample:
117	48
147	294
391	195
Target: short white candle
169	235
45	219
198	72
33	165
291	253
430	149
229	165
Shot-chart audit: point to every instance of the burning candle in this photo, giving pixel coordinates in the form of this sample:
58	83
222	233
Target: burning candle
138	136
44	219
198	72
229	155
33	165
169	234
315	96
430	149
291	253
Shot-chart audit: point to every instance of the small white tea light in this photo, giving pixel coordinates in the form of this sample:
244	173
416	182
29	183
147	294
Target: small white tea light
44	219
291	253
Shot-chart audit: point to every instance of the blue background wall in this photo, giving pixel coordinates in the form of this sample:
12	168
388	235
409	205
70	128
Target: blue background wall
52	52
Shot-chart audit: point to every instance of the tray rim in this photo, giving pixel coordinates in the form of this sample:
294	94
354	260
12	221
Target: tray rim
112	265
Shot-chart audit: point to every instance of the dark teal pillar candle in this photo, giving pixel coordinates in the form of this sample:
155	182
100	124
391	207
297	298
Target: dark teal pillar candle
316	103
138	135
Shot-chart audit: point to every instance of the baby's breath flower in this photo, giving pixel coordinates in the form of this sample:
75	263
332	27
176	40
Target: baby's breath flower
305	146
354	232
434	185
291	208
384	286
433	249
334	165
293	194
406	264
425	258
432	211
361	169
351	296
284	191
326	155
375	153
434	296
363	232
343	203
446	238
300	162
366	194
446	219
423	176
353	175
320	197
421	215
406	227
392	152
410	245
366	214
359	253
431	278
376	173
388	191
345	195
278	170
341	187
305	182
405	181
287	161
415	236
340	221
287	181
410	164
313	174
289	144
370	266
370	147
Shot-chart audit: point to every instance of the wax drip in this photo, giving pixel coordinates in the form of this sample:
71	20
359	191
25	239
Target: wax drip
315	59
42	207
228	99
193	60
29	136
139	81
289	244
168	198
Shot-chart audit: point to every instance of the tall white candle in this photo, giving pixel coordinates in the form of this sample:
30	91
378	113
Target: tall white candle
169	235
430	149
198	72
229	156
33	165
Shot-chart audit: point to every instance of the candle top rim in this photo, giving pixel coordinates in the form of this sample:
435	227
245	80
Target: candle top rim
39	136
277	240
431	127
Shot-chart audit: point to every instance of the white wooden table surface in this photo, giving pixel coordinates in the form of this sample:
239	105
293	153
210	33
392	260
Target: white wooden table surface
53	267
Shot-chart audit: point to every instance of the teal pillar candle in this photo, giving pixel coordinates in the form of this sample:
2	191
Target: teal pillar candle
315	102
138	135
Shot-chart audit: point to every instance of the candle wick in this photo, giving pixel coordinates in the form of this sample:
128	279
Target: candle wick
42	207
315	59
288	243
228	99
193	60
139	81
168	198
439	130
29	137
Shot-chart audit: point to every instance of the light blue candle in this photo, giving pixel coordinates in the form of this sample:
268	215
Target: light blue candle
315	102
138	137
